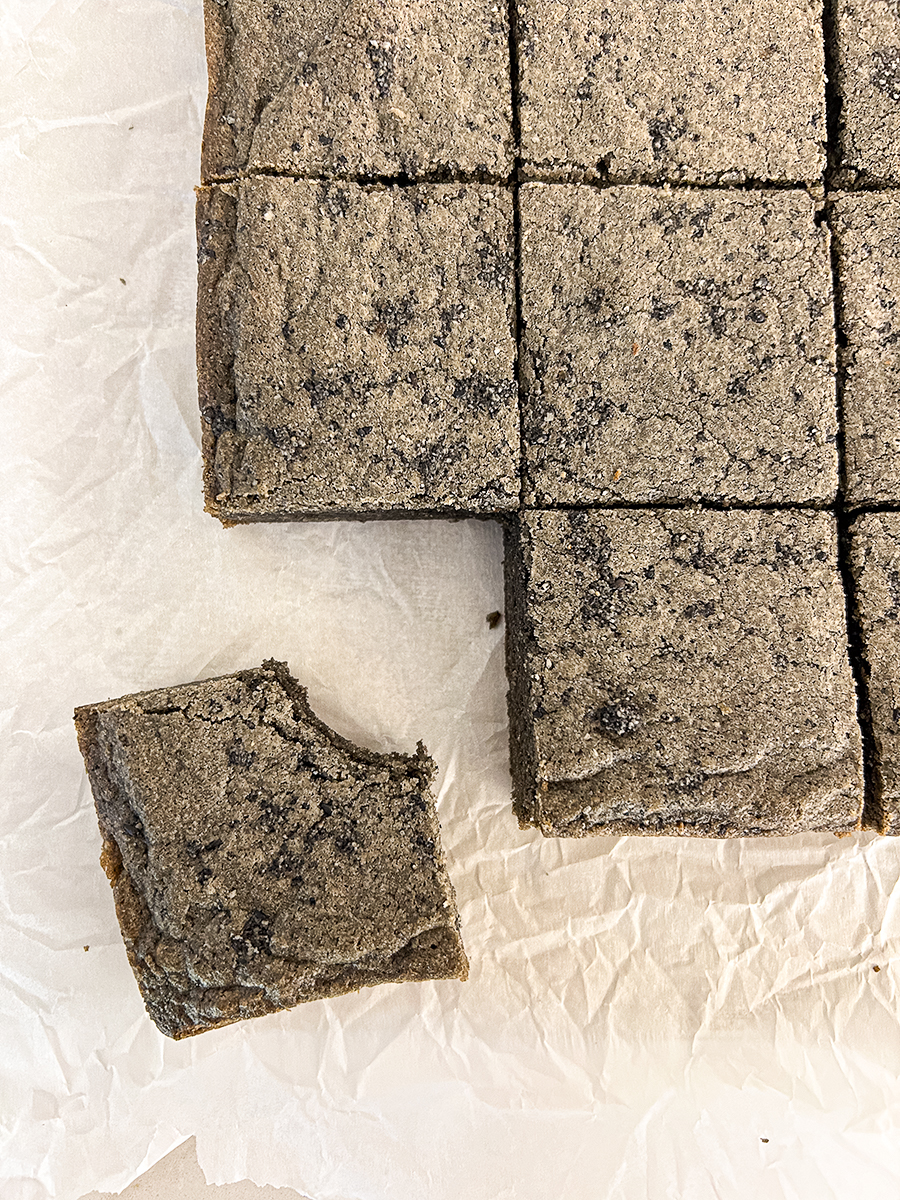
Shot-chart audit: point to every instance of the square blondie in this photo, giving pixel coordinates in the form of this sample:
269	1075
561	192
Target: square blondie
875	540
699	93
257	858
865	44
326	87
867	238
678	346
357	350
680	672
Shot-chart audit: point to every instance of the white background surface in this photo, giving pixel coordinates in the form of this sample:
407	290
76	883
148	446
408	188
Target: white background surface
178	1177
644	1018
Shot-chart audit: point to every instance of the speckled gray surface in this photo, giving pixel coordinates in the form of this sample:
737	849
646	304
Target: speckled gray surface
867	235
680	672
330	87
866	47
678	345
657	295
357	349
702	92
876	568
258	859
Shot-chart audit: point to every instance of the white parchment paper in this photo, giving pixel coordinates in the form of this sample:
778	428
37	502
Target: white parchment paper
644	1018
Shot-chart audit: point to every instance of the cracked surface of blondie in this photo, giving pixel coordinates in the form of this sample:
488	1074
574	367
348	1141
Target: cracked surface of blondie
705	92
867	234
258	859
678	345
875	540
680	672
313	87
866	38
357	349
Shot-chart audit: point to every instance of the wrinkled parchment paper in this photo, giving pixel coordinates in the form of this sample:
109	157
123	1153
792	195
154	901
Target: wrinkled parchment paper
644	1018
